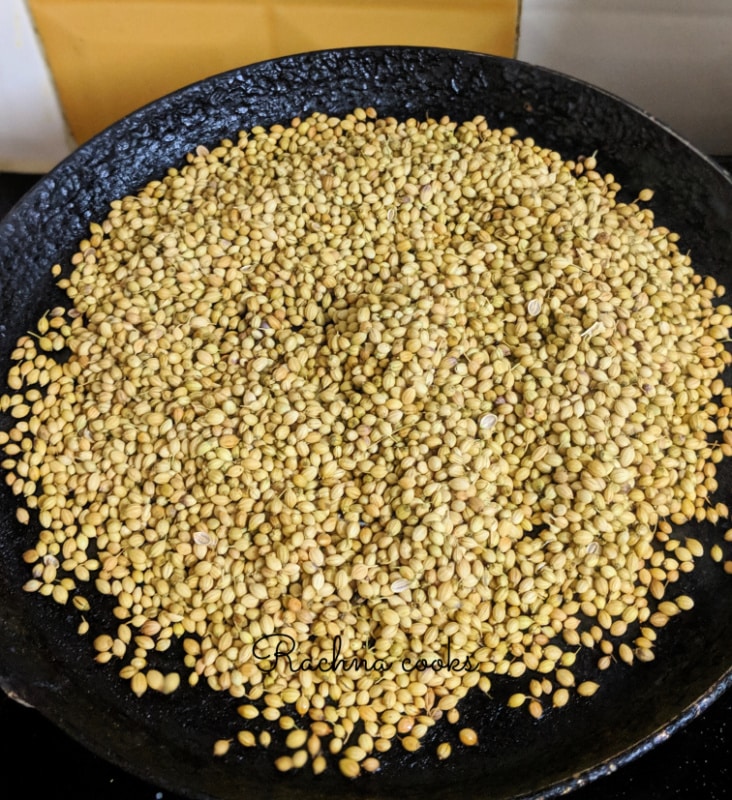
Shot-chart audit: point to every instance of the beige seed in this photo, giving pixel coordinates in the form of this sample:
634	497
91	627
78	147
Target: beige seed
221	747
103	643
248	711
371	764
155	680
644	654
284	763
246	738
399	585
355	752
60	594
349	768
517	699
320	728
533	307
314	746
560	697
138	684
444	749
626	653
215	417
296	739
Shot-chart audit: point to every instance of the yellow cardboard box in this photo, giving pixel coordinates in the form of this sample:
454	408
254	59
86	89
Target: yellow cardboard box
109	57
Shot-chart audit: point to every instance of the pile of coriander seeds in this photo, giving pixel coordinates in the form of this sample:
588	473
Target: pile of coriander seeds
365	413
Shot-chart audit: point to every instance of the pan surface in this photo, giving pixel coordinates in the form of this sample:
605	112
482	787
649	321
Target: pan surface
167	740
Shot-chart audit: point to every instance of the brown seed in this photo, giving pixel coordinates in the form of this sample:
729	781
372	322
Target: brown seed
468	737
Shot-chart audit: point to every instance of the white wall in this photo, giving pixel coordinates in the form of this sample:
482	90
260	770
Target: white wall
672	58
33	135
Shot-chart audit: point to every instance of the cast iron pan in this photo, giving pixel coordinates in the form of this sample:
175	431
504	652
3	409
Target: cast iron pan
167	740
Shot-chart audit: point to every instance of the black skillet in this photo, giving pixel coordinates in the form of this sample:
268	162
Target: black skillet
167	740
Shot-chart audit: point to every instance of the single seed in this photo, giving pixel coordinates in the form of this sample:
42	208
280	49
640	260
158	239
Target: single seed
284	763
645	195
533	307
296	739
411	743
468	737
248	711
488	421
517	699
444	749
138	684
684	602
349	767
246	738
560	698
221	747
